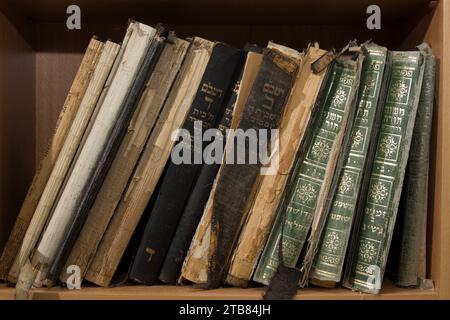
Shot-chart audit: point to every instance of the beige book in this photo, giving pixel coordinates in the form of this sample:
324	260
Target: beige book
69	109
68	150
140	127
150	165
195	266
293	124
53	235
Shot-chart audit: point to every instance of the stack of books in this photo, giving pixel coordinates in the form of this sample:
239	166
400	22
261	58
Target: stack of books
190	161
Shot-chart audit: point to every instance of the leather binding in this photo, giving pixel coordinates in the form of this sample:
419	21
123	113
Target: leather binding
238	182
108	154
410	235
372	235
197	200
180	178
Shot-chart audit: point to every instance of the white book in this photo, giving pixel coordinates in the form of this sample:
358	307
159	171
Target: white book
140	37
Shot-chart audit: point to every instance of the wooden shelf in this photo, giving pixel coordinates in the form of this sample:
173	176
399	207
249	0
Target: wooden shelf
138	292
34	41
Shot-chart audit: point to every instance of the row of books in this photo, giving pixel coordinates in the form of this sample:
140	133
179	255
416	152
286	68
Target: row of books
351	148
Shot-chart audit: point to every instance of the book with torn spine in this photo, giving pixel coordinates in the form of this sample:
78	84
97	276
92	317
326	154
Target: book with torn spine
68	112
296	117
195	265
140	128
150	165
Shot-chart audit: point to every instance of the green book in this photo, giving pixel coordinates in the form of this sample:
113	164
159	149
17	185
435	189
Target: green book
330	256
410	238
370	245
313	172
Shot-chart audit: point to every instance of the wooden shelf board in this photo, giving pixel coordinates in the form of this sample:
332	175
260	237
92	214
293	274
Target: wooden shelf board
230	11
161	292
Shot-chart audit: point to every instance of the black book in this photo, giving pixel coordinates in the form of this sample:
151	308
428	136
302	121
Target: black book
194	208
236	182
108	153
180	178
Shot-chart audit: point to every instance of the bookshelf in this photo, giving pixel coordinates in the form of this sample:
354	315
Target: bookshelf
39	57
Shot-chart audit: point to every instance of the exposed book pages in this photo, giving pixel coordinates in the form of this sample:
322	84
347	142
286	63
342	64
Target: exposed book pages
179	178
330	257
312	174
293	125
412	224
107	155
140	128
68	152
195	265
69	109
192	213
150	165
370	244
239	178
69	200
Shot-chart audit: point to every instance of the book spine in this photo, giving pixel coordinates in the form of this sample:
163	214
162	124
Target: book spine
141	125
330	256
192	213
106	158
90	153
238	182
367	258
195	265
179	178
413	223
69	109
292	129
310	187
150	166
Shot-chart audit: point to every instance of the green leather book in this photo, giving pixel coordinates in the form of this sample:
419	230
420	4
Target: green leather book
307	193
410	266
370	244
330	256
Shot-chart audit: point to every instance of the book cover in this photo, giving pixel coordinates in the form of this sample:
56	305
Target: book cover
43	171
238	181
64	210
371	240
195	265
107	156
150	165
329	260
411	233
139	130
179	178
293	126
313	172
191	216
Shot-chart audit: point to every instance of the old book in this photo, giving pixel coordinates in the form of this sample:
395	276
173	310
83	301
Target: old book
141	126
64	210
371	241
312	174
107	156
150	165
239	180
69	109
195	265
180	178
411	263
192	213
74	136
331	253
293	125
